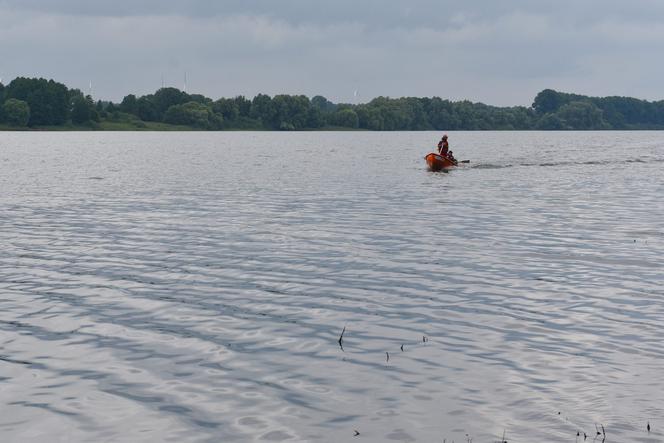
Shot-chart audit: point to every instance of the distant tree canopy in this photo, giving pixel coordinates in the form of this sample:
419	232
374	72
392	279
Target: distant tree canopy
83	109
16	112
192	114
129	105
48	103
51	103
345	117
164	98
48	100
559	110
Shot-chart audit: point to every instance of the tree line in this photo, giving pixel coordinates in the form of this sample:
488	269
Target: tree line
37	102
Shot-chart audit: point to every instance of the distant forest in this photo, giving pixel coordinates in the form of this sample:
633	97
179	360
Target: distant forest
37	103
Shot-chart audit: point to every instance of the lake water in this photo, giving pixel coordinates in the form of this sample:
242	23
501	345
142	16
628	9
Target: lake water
192	287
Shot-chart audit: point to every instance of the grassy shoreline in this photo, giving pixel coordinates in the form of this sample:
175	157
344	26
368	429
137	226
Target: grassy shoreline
141	126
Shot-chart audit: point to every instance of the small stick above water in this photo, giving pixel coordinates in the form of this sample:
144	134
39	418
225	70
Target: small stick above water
341	340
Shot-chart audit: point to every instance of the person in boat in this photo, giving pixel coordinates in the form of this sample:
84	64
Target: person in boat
443	146
450	155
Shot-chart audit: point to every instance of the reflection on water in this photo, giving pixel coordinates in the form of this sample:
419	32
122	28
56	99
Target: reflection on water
194	287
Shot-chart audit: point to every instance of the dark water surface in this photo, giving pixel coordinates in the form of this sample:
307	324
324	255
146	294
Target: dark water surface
193	286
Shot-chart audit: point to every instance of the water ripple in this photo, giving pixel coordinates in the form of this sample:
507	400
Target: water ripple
158	287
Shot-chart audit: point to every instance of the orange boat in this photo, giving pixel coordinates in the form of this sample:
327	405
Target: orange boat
437	162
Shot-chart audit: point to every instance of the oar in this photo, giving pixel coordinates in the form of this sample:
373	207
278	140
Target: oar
464	161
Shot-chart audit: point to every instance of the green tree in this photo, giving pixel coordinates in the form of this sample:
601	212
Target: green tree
547	101
80	112
129	104
550	121
243	106
370	118
48	100
322	104
190	114
2	101
83	109
550	101
521	118
291	112
419	120
263	110
198	98
227	108
582	115
315	118
346	118
16	112
146	109
164	98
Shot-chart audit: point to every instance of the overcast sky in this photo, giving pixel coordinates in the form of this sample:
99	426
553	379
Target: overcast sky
499	52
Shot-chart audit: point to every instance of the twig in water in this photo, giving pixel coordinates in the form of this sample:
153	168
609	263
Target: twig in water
341	340
602	433
388	355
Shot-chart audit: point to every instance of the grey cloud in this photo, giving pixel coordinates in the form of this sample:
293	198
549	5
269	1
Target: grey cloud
492	51
434	13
